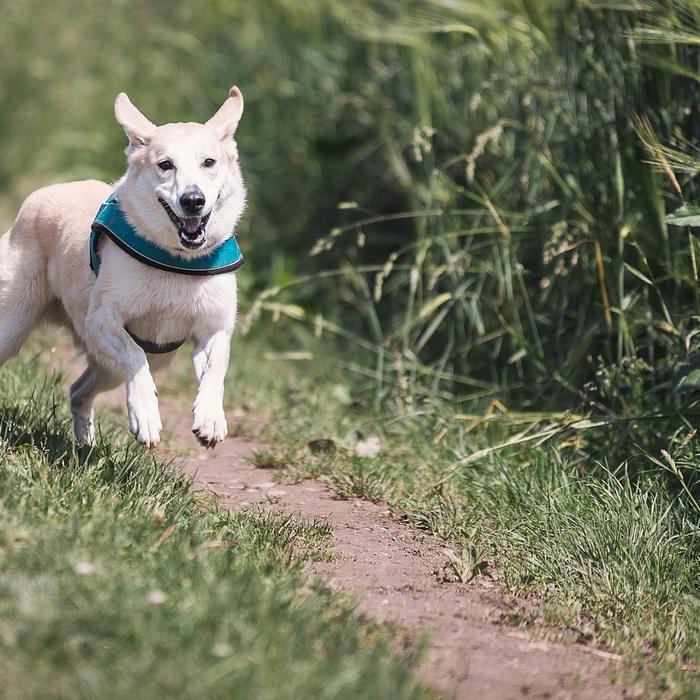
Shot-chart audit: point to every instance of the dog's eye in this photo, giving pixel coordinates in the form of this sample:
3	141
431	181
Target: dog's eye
166	165
209	163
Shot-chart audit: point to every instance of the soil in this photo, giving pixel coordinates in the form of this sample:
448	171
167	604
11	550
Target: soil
396	574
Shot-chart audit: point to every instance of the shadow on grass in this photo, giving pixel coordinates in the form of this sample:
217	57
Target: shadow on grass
39	421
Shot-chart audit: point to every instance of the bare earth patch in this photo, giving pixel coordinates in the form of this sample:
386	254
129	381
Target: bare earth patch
394	572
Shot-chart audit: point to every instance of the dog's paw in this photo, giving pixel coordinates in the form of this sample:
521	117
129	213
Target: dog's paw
209	425
144	416
84	428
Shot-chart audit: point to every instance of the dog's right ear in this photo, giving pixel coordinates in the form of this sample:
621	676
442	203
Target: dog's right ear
137	128
225	121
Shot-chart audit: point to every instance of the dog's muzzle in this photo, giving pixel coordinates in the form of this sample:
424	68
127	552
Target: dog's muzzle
190	229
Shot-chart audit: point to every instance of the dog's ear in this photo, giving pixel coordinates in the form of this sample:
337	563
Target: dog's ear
137	128
225	121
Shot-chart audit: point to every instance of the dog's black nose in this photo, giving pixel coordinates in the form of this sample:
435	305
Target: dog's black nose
192	201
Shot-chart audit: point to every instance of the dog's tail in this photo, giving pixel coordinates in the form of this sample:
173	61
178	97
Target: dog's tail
24	289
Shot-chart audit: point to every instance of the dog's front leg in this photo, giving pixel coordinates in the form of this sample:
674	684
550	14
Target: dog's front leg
210	360
110	344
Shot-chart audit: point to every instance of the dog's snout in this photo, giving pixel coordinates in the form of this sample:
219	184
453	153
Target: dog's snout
192	201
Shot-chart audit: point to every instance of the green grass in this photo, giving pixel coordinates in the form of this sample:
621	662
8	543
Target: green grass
479	196
116	580
609	552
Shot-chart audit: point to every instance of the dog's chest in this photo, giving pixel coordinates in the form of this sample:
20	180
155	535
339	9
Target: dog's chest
164	306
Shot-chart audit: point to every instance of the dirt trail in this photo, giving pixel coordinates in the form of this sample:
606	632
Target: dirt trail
392	570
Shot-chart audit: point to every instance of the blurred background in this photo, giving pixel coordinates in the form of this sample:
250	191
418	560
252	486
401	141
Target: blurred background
465	199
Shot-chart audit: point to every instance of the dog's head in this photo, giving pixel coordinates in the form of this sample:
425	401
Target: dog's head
183	188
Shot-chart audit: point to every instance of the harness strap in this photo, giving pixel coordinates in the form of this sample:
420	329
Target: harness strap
155	348
111	221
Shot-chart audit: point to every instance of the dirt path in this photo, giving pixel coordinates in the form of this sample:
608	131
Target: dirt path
392	571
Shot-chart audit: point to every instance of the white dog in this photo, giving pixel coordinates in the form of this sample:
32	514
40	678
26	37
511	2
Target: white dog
158	269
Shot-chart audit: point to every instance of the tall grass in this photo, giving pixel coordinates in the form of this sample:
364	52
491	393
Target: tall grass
504	237
470	197
526	237
469	174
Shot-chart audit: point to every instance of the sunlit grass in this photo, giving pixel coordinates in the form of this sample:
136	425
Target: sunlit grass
117	580
608	550
464	205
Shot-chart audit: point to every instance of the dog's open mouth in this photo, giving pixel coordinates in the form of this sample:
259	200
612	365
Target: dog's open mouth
190	229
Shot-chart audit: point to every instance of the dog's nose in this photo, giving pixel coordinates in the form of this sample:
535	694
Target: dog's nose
192	201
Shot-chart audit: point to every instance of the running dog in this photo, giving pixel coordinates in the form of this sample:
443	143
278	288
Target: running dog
136	269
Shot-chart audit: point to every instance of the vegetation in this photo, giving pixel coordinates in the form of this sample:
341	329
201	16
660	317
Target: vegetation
116	578
458	210
608	553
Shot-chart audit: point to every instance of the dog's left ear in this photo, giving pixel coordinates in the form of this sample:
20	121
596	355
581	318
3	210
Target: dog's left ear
225	121
137	128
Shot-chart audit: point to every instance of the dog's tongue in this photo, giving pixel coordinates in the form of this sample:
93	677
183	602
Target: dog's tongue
192	224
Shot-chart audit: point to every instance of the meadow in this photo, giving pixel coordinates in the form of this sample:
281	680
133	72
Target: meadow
471	232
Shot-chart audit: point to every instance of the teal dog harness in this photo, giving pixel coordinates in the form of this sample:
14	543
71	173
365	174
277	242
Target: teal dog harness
111	222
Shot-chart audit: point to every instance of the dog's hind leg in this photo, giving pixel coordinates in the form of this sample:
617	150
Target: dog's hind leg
24	290
93	381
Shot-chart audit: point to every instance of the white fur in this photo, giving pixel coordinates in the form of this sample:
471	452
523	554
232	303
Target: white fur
45	272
